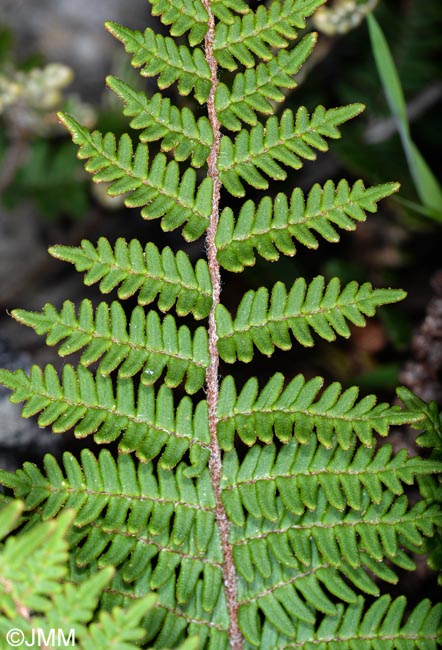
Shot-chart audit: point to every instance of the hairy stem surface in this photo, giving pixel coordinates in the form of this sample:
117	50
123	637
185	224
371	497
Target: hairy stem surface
212	375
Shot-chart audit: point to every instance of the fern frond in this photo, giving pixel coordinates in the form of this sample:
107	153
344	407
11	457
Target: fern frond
323	537
10	516
292	594
122	629
431	423
296	411
177	129
253	91
323	308
182	16
286	141
259	33
380	627
90	406
35	593
145	344
150	273
298	472
157	188
33	563
158	526
271	227
99	487
159	55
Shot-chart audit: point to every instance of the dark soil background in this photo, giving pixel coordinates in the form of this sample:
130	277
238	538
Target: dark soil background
395	248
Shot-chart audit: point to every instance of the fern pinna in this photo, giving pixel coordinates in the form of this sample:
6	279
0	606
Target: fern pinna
263	516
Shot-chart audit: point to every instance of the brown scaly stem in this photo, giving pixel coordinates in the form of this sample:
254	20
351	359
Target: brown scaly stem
212	377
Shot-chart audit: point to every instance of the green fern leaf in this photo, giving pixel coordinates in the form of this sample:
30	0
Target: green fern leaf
325	535
380	627
35	594
296	411
272	547
286	141
159	55
259	33
183	16
225	10
177	129
271	227
89	406
325	309
33	564
165	534
253	91
122	629
94	488
431	423
10	516
169	524
158	189
146	345
296	473
150	273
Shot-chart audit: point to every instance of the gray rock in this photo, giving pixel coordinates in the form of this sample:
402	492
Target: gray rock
72	32
19	437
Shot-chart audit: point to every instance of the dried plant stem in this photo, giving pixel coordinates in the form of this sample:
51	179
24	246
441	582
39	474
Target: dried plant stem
212	375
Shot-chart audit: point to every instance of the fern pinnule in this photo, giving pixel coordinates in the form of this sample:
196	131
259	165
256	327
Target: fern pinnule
160	56
254	90
144	344
297	471
157	187
183	16
323	308
271	227
287	140
296	411
150	273
148	422
381	625
158	118
259	34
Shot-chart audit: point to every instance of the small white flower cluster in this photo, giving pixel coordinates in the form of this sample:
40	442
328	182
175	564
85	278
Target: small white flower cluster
343	16
29	99
40	88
